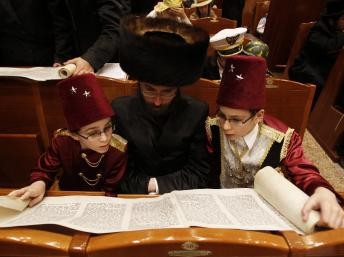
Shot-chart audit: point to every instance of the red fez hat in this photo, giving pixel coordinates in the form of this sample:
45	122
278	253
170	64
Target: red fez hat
83	101
243	83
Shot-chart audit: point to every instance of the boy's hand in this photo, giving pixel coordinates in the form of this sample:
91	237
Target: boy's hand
331	213
35	192
177	12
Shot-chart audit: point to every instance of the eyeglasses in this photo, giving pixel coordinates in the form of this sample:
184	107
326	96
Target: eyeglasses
164	95
234	122
96	135
153	94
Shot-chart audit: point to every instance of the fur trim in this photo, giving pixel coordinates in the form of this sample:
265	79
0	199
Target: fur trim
162	51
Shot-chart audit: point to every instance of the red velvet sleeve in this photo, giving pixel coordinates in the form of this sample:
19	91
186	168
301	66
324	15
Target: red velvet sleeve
303	173
48	165
117	169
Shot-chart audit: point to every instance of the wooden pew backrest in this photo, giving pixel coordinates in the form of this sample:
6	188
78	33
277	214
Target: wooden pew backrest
290	102
300	40
18	154
212	26
187	242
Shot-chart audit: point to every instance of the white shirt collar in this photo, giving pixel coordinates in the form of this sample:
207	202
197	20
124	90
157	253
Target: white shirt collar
251	137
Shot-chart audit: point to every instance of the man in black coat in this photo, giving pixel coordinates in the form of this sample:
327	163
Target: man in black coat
89	29
165	129
26	33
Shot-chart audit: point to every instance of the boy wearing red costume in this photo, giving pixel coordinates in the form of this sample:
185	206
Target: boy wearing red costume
245	140
92	158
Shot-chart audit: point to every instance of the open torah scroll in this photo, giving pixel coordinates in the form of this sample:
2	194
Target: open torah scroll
111	70
39	73
241	208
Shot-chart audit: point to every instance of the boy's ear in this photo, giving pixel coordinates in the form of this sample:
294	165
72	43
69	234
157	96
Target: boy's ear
74	136
260	115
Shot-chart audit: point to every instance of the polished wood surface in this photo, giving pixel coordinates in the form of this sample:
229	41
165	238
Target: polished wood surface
42	241
282	25
187	242
262	9
252	12
319	244
290	101
189	11
214	25
247	15
28	147
326	122
300	39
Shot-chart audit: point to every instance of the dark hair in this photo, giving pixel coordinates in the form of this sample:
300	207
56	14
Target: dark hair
199	12
254	111
187	3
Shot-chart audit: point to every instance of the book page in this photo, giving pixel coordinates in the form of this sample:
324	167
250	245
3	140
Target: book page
77	212
285	197
154	213
13	203
200	208
98	214
112	70
239	208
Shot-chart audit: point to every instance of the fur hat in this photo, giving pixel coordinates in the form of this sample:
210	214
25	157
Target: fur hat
334	8
228	42
243	83
83	101
162	51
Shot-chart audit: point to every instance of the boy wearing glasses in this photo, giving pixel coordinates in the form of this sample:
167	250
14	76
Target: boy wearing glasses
92	158
165	129
245	140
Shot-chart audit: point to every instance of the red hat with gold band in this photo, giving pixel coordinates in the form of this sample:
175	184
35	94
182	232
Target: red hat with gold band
243	83
83	101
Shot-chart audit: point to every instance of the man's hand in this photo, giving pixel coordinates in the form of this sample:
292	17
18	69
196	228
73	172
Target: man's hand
35	192
151	186
331	213
82	66
177	12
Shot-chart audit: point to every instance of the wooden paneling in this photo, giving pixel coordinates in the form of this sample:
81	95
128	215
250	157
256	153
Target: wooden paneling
212	26
18	106
282	25
327	122
18	154
188	242
300	40
290	101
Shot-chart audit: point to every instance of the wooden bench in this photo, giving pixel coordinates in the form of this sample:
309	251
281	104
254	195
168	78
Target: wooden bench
327	120
31	112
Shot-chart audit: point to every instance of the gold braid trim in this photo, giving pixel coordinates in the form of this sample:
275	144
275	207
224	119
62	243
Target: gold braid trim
118	142
210	122
222	150
286	143
215	122
272	133
62	132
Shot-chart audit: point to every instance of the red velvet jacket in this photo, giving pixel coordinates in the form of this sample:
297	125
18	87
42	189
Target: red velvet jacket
65	153
288	155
